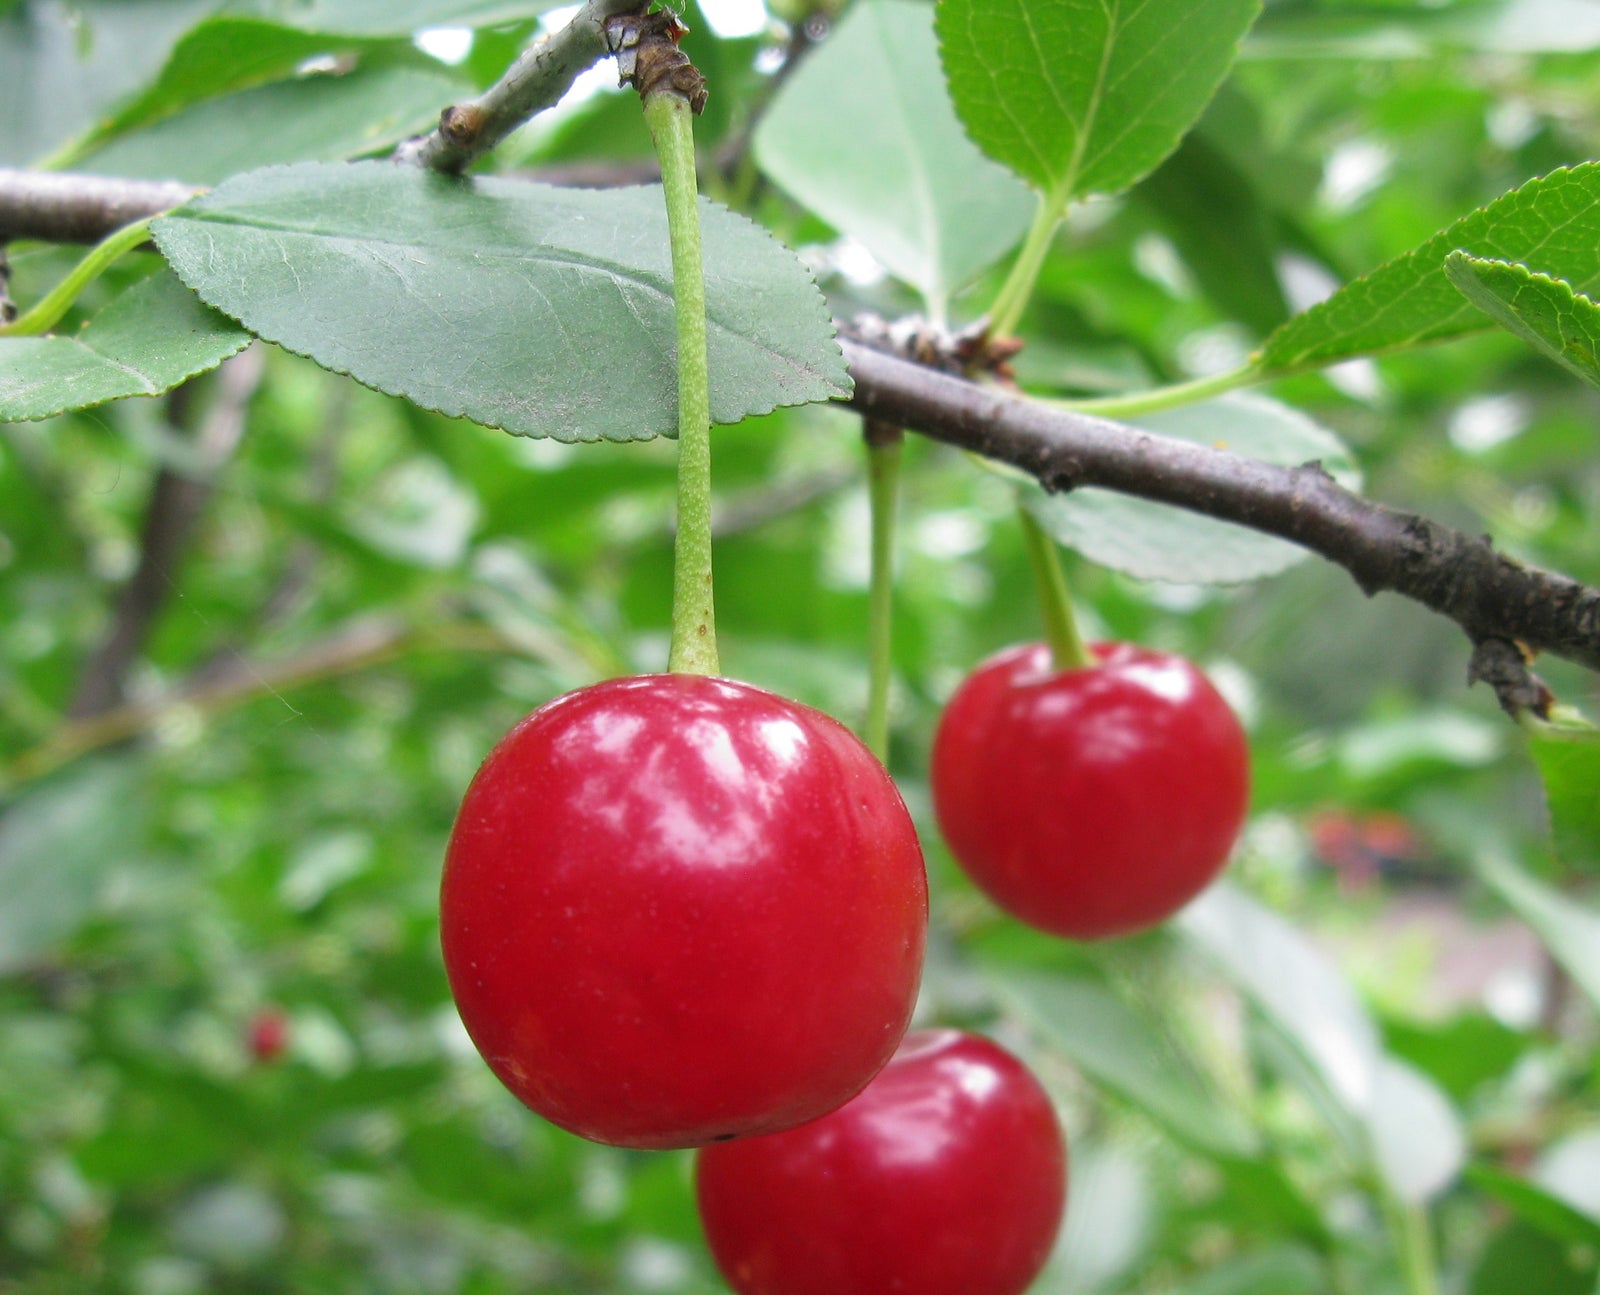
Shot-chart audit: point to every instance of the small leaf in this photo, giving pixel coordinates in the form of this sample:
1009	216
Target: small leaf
543	311
1552	222
1544	312
1567	753
1086	96
152	337
1153	541
1569	930
1533	1204
864	135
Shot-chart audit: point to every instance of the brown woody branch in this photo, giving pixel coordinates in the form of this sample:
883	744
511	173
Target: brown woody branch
1495	599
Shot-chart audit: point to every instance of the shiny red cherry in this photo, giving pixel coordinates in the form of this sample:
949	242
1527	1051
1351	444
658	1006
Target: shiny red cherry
678	908
1090	802
946	1176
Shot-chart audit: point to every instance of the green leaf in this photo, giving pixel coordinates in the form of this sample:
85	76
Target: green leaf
543	311
1156	542
1570	930
864	135
1567	753
1116	1047
399	17
1544	312
318	117
1552	222
1417	1138
151	338
1521	1258
1535	1205
1085	96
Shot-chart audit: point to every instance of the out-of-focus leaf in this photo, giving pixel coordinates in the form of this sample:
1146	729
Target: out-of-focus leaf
1535	1205
1418	32
58	845
1155	542
398	17
543	311
1570	1171
1417	1137
1570	930
1552	222
152	337
864	135
1110	1223
1283	1270
1544	312
1081	98
1567	752
1521	1258
1116	1047
318	117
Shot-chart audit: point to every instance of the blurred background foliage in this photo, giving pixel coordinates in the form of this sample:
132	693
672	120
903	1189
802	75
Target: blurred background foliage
228	1060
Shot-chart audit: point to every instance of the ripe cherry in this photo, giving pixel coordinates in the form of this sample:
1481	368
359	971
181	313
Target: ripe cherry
1090	802
946	1176
678	908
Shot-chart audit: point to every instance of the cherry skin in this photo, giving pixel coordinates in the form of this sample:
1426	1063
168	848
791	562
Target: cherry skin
1090	802
946	1176
678	908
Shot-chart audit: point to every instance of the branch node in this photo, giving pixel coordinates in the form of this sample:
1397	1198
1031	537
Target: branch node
1503	665
648	57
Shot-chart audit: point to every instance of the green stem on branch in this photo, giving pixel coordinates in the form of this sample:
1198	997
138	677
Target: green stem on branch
1133	403
49	309
1012	299
694	635
884	444
1067	648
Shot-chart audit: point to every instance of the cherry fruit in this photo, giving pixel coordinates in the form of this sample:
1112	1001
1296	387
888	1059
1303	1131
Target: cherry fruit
1090	802
946	1176
677	909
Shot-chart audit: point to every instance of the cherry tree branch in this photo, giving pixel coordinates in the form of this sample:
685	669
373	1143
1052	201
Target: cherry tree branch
1495	599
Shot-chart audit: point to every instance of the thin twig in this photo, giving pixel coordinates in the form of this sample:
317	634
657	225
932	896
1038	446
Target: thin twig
542	74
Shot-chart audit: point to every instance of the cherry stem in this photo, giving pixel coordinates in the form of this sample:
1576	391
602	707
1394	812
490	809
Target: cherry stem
694	635
884	444
1067	648
53	305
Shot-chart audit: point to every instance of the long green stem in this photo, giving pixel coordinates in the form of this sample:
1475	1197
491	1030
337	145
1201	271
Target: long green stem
1067	648
47	311
694	634
1157	398
1012	299
884	444
1409	1225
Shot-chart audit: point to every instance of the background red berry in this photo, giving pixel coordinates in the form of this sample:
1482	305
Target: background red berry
678	908
1090	802
946	1176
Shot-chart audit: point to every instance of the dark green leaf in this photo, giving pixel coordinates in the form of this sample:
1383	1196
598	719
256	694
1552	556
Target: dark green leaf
1552	222
1156	542
1567	753
864	135
1544	312
543	311
1521	1259
1081	98
151	338
1536	1206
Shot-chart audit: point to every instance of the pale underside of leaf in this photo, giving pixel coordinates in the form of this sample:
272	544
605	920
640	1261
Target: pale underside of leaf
542	311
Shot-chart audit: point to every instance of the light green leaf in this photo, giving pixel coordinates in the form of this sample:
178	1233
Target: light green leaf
1544	312
1417	1137
1538	1205
543	311
1570	930
1552	222
1156	542
399	17
151	338
1085	96
1116	1047
318	117
864	135
1567	752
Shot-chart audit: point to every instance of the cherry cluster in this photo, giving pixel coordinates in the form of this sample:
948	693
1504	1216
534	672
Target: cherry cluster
681	911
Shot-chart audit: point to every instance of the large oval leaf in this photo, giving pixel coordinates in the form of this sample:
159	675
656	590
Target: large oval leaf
864	135
1086	96
1157	542
543	311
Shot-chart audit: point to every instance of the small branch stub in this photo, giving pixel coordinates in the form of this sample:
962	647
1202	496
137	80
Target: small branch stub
648	57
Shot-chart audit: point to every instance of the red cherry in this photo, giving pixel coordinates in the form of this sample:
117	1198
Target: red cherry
268	1035
946	1176
677	909
1090	802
